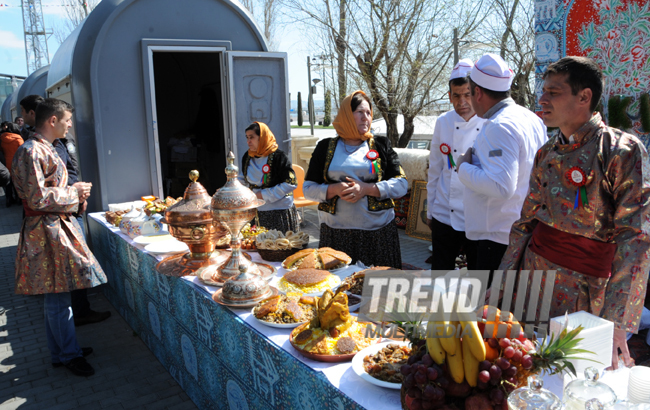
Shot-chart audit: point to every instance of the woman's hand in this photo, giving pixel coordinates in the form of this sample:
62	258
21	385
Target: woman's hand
358	190
335	189
259	195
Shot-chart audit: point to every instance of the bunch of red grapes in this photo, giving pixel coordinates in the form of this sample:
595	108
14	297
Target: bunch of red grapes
502	375
424	381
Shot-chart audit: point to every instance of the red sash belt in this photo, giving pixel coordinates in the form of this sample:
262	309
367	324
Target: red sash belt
30	212
575	252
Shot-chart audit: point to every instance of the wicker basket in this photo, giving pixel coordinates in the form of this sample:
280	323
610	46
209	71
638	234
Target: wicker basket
277	256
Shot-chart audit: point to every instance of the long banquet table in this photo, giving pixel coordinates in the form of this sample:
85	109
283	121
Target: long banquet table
223	357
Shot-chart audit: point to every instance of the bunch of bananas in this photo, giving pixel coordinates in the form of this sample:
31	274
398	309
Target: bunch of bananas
463	357
275	240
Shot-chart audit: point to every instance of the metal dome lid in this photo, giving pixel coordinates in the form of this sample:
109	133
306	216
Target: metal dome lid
194	208
233	195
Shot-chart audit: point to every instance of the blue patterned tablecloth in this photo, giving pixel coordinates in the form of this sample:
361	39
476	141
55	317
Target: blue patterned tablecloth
222	358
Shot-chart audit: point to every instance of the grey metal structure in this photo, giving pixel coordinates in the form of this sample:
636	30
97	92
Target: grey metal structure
36	52
144	74
5	112
14	105
34	84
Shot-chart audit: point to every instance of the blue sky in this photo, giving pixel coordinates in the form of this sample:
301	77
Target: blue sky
12	49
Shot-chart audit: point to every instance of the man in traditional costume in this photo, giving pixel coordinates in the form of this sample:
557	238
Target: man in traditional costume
587	214
53	258
496	170
454	133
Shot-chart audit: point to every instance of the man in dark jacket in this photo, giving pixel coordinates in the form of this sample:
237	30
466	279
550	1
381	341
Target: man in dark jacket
28	112
83	314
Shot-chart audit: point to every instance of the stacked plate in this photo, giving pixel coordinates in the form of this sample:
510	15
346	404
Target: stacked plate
638	388
597	336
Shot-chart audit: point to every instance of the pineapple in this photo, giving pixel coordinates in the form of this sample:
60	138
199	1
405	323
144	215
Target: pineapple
553	356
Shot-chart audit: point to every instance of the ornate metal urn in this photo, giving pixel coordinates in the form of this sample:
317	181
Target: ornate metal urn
233	205
190	221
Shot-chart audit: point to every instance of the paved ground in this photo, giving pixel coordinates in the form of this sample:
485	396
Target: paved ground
128	376
127	373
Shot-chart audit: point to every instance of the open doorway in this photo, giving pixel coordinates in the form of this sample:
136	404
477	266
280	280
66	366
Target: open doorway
190	119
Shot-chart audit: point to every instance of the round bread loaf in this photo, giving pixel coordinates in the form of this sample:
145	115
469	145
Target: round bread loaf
306	277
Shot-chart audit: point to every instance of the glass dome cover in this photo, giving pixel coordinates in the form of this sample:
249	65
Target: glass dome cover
534	397
579	392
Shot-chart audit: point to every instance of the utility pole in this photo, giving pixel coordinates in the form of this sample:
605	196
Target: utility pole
36	52
310	102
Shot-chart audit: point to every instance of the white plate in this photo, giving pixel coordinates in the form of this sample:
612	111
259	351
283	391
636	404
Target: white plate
145	240
278	325
167	247
357	364
354	306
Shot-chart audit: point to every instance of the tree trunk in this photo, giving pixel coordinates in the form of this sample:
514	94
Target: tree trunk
340	51
409	128
506	33
391	128
327	119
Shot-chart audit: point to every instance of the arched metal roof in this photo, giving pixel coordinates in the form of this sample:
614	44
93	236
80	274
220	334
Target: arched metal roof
34	84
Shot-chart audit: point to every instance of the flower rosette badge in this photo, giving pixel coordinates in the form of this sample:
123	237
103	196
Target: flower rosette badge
578	178
372	156
446	150
266	169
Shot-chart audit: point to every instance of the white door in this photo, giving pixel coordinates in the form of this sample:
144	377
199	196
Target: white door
257	91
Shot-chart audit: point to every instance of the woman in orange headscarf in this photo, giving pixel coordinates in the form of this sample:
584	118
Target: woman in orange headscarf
355	177
267	171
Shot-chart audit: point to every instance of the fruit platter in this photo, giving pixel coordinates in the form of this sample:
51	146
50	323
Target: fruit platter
474	372
249	233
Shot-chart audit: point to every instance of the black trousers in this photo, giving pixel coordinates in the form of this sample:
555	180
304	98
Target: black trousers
447	244
79	297
489	255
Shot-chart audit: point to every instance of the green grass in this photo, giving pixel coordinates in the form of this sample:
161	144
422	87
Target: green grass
320	127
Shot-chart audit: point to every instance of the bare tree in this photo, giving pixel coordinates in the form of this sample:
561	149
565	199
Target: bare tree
399	50
267	17
510	30
75	12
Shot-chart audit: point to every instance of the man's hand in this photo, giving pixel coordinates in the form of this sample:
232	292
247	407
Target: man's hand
466	157
430	223
259	195
620	342
83	190
82	207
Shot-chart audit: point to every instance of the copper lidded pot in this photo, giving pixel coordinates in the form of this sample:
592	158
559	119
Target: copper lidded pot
190	221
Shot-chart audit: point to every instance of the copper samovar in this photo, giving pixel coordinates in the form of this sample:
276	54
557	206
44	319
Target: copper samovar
244	282
190	221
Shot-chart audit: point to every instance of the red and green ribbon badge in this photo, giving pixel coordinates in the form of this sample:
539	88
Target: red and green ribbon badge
446	150
372	155
266	169
578	177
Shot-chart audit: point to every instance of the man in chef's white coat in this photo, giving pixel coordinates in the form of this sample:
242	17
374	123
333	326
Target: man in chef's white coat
454	133
496	170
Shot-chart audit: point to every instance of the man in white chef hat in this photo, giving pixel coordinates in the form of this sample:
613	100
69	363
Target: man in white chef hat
454	133
496	169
